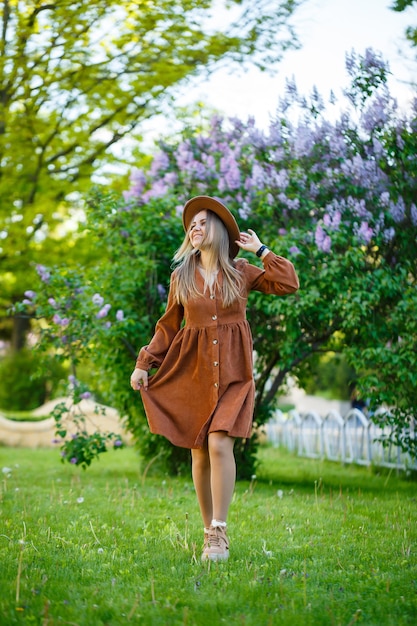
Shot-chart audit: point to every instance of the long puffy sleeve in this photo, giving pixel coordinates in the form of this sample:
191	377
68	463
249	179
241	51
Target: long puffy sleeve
166	328
278	276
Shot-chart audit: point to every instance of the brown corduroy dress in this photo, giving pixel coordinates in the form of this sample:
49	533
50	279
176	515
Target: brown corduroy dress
204	381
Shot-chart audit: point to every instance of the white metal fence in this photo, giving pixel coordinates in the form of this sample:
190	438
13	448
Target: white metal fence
351	439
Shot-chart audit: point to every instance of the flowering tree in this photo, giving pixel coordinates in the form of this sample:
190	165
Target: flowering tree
338	198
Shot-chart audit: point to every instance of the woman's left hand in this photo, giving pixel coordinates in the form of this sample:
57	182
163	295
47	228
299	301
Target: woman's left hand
249	241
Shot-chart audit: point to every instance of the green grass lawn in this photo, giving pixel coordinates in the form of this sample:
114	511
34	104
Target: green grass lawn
311	543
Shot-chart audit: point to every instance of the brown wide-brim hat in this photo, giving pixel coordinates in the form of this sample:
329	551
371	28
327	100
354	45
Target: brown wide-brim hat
201	203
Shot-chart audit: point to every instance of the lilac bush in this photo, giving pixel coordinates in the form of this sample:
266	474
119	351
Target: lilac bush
336	197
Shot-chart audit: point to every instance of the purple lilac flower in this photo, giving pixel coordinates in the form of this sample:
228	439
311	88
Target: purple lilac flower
107	325
229	168
137	184
26	301
97	299
118	443
388	234
281	179
72	379
294	250
120	315
160	162
158	190
291	87
30	294
258	177
171	178
350	62
293	203
184	155
74	460
327	244
365	232
103	312
52	302
384	198
377	147
332	221
397	210
304	141
323	241
316	99
43	273
413	213
209	161
60	321
376	115
86	395
245	210
257	139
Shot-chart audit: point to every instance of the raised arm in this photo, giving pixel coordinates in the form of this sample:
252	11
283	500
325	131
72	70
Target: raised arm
278	276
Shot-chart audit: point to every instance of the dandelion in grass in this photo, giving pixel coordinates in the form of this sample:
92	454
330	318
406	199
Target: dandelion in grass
280	493
80	500
7	471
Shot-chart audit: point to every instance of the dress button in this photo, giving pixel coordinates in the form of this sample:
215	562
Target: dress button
214	317
212	297
215	341
216	385
215	364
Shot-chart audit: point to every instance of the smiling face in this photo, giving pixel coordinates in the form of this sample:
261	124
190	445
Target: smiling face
198	229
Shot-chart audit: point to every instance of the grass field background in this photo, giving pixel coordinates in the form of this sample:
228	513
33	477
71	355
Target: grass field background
312	543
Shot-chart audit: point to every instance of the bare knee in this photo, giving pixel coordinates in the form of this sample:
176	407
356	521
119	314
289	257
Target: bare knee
220	445
200	458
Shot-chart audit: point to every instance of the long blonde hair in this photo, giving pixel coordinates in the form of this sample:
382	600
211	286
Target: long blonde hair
186	261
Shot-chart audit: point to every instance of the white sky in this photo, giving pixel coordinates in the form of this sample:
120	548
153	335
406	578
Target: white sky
327	29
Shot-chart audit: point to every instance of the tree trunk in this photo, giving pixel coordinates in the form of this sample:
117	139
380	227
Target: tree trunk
21	326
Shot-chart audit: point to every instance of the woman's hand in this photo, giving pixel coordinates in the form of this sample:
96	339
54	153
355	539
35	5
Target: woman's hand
249	241
138	378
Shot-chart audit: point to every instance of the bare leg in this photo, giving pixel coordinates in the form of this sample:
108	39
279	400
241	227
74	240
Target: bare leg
202	484
222	473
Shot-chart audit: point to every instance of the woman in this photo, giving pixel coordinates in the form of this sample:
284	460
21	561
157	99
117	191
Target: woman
202	395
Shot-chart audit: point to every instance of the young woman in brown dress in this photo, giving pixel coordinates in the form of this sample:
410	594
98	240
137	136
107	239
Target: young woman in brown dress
202	395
